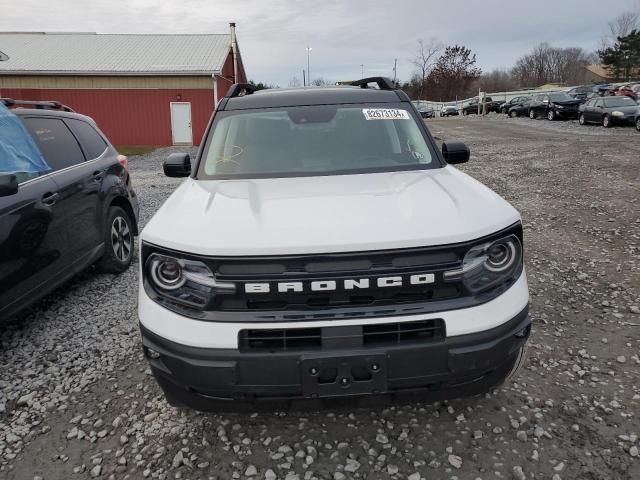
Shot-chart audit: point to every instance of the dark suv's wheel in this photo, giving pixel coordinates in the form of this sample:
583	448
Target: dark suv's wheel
532	115
638	124
118	242
581	119
513	113
606	121
551	115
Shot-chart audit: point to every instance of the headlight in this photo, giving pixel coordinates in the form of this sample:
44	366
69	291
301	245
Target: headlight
559	106
617	113
490	264
187	282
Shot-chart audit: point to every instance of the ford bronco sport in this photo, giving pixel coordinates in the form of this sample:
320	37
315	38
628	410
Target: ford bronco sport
323	247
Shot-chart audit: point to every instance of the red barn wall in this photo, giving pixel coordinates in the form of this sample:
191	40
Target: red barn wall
134	116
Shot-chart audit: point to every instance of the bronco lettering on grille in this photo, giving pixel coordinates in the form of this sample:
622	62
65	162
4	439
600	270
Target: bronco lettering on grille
346	284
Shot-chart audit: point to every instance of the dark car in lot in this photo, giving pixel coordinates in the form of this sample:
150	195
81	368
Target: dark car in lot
516	101
472	107
427	112
553	106
449	109
609	111
74	209
581	92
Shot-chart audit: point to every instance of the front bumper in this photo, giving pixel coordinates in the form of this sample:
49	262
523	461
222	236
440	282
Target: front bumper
227	379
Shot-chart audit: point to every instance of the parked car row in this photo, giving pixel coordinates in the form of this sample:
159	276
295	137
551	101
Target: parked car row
605	110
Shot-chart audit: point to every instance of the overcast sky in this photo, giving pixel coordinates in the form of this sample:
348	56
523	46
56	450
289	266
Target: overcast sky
273	34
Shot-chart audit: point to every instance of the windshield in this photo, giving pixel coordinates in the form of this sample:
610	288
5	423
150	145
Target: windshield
314	140
560	97
619	102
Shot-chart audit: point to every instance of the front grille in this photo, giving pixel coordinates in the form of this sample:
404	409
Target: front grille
348	298
338	268
331	338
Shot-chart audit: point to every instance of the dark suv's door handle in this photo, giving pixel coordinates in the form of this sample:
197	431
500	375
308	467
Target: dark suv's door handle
50	198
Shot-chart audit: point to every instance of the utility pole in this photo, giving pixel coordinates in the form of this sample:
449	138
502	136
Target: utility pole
395	70
308	64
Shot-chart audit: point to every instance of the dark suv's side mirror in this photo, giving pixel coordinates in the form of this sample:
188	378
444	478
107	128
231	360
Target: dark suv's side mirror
8	185
177	165
454	151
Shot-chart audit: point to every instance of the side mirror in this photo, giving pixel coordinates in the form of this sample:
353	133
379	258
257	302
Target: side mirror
177	165
455	152
8	185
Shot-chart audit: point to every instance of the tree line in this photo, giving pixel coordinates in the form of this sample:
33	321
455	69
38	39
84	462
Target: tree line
444	73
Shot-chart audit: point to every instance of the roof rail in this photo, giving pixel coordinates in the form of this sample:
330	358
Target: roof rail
240	90
383	83
44	105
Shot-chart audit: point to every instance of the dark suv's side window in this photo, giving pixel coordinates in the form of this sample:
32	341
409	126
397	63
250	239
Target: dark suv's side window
93	144
56	142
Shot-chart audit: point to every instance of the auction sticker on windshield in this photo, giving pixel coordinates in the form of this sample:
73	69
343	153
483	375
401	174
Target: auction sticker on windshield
385	114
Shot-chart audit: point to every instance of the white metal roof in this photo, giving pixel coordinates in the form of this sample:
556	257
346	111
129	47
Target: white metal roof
37	53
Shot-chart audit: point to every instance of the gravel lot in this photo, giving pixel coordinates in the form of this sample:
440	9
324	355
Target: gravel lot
77	400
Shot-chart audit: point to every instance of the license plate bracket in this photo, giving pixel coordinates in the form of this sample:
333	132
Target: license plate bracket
331	376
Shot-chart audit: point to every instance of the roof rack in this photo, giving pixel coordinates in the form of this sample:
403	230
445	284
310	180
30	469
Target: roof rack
44	105
383	83
240	90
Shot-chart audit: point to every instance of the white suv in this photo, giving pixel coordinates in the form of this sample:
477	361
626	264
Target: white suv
323	247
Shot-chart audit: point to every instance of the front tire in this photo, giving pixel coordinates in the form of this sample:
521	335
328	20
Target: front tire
504	111
581	119
532	115
606	121
118	242
465	113
551	115
513	114
638	124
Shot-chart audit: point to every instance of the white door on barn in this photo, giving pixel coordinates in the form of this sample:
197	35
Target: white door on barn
181	123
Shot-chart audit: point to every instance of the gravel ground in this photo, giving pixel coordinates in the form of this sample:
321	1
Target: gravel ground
77	399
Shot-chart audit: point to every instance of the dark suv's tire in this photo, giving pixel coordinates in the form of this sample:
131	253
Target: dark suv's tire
532	115
551	115
118	242
638	124
581	119
513	113
606	121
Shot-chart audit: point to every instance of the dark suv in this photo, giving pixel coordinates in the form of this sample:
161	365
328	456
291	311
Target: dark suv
66	201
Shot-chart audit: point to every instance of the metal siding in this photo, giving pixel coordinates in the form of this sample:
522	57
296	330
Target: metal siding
129	116
83	53
121	81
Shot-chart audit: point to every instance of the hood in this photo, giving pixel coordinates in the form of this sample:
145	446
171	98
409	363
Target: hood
568	103
341	213
630	110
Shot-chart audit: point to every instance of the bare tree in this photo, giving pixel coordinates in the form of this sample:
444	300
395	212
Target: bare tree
621	26
425	58
321	82
497	81
294	82
546	64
